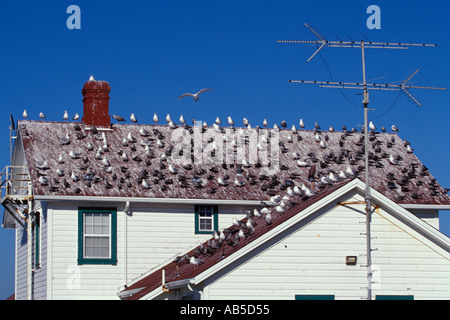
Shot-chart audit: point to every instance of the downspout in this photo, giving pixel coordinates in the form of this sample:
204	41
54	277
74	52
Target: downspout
29	252
126	211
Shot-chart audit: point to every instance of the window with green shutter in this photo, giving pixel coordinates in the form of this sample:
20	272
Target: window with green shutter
206	218
97	236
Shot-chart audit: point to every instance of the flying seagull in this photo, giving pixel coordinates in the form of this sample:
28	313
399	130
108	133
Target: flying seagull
195	96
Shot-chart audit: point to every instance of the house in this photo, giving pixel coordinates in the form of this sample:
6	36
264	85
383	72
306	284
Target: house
117	211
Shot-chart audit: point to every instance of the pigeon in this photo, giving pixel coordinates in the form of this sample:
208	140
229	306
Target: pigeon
118	118
66	115
195	96
25	114
133	118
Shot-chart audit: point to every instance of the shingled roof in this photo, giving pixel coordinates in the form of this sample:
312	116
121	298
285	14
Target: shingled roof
91	162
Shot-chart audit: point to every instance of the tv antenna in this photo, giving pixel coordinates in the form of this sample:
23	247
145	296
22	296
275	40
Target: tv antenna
321	42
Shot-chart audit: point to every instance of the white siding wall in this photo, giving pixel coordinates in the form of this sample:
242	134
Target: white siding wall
21	263
158	232
310	260
155	233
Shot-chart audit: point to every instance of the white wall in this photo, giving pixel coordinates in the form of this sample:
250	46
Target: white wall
155	233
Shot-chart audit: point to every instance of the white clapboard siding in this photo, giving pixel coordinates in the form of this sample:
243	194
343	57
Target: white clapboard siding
159	232
311	261
154	232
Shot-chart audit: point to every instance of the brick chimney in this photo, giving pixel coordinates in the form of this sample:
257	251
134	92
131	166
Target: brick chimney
96	103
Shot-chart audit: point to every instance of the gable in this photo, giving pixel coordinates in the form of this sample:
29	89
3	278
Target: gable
328	227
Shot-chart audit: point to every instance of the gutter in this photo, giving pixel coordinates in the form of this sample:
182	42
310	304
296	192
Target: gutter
426	206
53	198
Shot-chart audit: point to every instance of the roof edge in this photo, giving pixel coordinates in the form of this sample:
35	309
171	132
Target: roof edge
55	198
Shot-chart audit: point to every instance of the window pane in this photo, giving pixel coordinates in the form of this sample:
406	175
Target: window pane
97	235
206	224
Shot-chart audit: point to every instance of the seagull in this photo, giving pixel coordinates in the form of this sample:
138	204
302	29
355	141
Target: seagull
43	180
41	115
76	117
25	114
302	125
372	126
74	155
168	119
283	124
65	140
268	218
196	261
66	115
172	169
394	128
195	96
133	118
316	126
265	124
218	122
118	118
245	122
182	121
230	121
155	118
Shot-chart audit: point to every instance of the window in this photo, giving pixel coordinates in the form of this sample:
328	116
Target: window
97	236
206	219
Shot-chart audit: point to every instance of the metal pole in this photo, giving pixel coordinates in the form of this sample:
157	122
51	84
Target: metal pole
367	198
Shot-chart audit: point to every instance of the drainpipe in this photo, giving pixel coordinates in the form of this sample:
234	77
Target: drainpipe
126	211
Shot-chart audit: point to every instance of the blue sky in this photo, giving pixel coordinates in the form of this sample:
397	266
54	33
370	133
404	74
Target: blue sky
152	51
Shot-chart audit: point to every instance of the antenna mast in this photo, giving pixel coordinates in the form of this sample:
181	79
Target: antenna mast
321	42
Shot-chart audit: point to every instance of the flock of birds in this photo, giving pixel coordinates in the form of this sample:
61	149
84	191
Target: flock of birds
154	139
146	150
